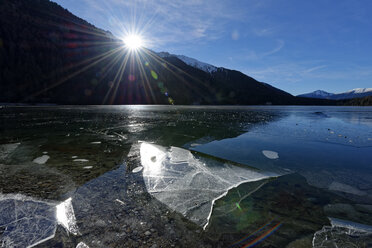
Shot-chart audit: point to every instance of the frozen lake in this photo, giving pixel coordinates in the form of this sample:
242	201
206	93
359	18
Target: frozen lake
178	176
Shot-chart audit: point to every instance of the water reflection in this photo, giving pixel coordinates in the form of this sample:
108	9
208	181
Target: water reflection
329	152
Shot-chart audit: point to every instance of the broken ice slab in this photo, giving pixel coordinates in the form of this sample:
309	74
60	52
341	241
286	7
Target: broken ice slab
343	232
191	185
26	222
41	160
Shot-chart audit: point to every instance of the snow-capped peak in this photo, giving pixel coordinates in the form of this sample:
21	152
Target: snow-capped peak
359	90
191	62
322	93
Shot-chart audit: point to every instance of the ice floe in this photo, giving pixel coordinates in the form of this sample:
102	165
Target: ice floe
191	185
41	160
81	160
137	169
270	154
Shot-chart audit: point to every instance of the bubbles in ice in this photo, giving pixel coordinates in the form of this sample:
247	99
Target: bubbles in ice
41	160
191	185
270	154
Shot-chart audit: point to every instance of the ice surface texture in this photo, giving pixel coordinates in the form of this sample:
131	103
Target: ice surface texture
6	150
343	233
26	222
191	185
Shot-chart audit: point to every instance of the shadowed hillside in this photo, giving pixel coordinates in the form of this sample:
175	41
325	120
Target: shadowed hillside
48	55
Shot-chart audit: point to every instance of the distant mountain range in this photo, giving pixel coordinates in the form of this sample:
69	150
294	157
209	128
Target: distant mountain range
48	55
354	93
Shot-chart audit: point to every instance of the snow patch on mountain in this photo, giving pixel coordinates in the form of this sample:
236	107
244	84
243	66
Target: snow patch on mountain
354	93
322	93
191	62
358	91
318	94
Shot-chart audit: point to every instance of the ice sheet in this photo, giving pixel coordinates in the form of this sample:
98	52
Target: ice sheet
28	222
191	185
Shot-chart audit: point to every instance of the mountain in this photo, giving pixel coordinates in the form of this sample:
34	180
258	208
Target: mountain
49	55
191	62
354	93
318	94
225	86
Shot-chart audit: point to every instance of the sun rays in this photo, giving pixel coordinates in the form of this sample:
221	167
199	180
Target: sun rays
133	41
119	69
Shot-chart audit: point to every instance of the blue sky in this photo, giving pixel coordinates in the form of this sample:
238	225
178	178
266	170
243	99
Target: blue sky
298	46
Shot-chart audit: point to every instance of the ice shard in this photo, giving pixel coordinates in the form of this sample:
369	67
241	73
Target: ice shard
27	222
188	184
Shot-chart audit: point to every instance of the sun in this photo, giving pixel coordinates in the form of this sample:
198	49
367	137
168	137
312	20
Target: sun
133	41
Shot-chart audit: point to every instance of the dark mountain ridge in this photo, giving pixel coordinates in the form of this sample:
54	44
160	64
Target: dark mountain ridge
48	55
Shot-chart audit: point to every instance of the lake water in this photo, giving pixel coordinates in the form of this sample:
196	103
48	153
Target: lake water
177	176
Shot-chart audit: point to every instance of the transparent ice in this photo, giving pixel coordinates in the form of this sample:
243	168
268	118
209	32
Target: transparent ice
191	185
27	222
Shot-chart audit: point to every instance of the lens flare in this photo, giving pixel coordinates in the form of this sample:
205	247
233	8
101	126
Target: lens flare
133	41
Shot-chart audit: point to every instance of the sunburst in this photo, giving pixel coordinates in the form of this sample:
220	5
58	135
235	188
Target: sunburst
133	41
